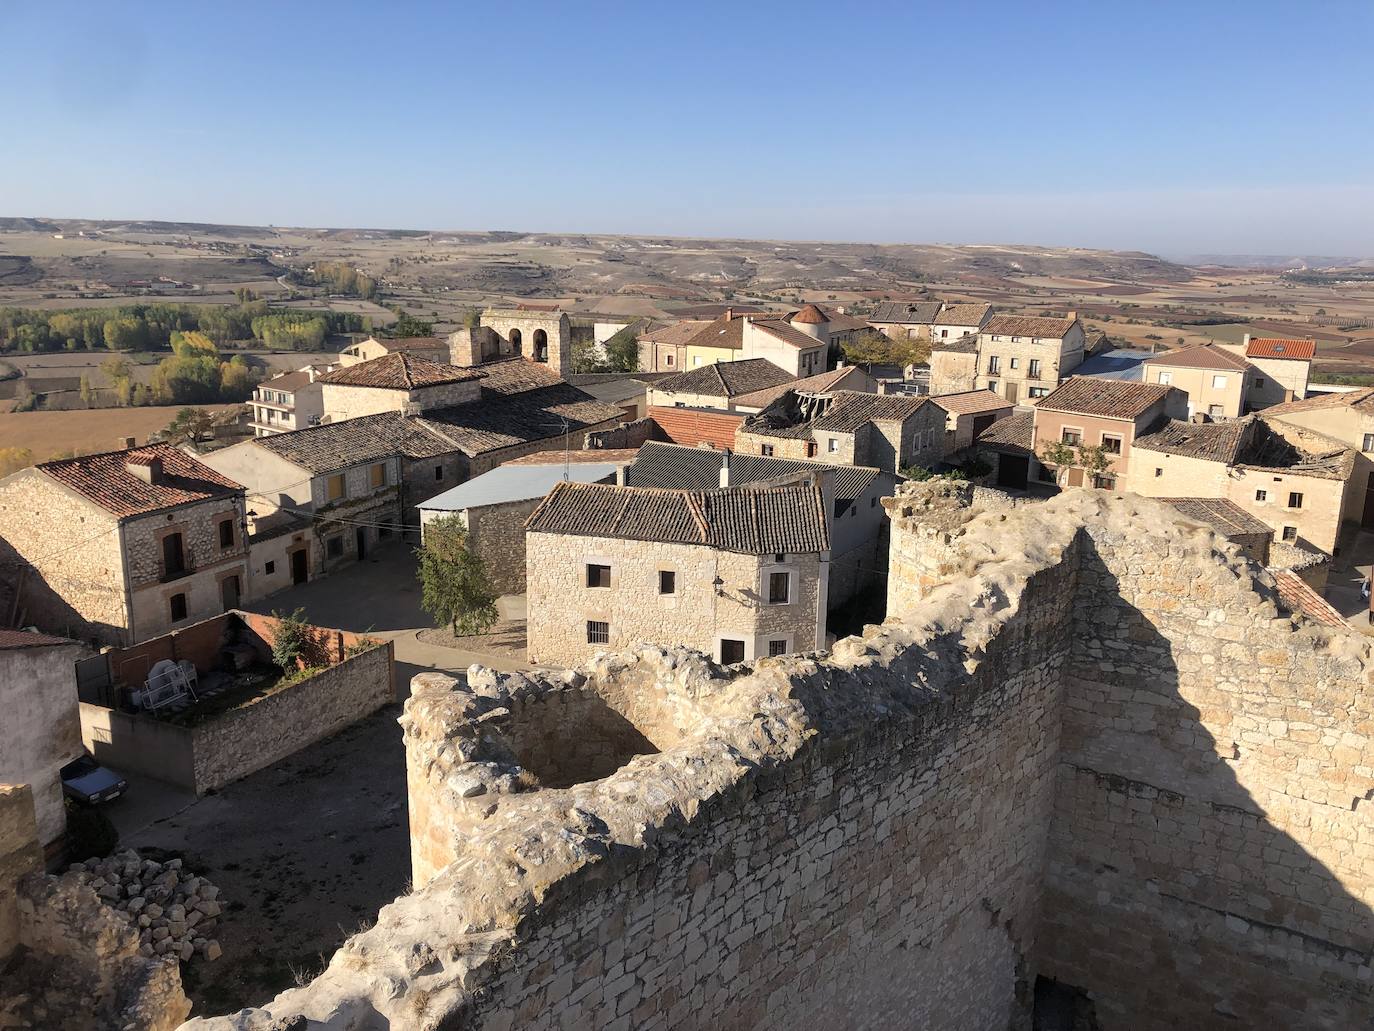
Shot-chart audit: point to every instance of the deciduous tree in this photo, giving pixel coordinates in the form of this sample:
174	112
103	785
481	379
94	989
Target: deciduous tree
454	583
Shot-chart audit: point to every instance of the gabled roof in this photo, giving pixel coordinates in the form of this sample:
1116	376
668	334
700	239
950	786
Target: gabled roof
369	438
746	520
1200	356
395	345
494	423
287	383
722	332
962	314
850	409
918	313
787	333
819	384
1281	347
11	640
1361	399
679	467
1296	595
1028	326
400	371
1108	398
1014	435
1213	441
726	379
971	402
839	320
105	479
966	344
1226	517
676	334
515	375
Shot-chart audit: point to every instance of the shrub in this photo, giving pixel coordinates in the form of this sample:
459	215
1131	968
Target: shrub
289	640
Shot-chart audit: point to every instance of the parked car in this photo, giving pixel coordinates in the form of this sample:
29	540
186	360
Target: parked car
84	780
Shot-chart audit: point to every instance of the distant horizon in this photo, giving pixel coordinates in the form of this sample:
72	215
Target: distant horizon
1182	258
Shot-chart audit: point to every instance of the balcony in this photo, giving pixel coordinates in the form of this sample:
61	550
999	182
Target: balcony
178	572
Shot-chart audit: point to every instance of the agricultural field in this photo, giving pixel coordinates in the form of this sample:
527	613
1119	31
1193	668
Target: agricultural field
47	434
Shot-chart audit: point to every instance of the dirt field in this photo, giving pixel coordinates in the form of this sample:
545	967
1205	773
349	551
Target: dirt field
50	433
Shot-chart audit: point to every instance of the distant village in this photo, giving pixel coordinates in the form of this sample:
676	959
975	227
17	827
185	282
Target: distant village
726	497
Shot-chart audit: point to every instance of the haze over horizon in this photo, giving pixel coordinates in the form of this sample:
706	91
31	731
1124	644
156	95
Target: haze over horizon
1164	129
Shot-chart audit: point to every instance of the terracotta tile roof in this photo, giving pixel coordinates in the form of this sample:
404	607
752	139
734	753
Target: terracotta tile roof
12	639
726	379
1361	399
967	344
1014	435
288	383
1028	326
591	456
105	480
809	315
515	375
746	520
787	333
1226	517
850	410
1109	398
369	438
962	315
1281	347
1213	441
839	320
723	332
679	467
521	418
919	313
1200	356
971	402
401	371
675	334
1296	596
819	384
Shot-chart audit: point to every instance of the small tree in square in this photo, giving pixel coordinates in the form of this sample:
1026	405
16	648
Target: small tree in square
453	581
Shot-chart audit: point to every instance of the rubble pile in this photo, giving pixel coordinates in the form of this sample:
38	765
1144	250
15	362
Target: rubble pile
174	913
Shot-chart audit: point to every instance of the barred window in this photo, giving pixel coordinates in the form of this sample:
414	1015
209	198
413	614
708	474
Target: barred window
598	632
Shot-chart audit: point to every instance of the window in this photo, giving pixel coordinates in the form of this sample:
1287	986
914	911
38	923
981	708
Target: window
1368	442
810	449
1261	495
336	488
1159	471
598	575
438	473
777	647
1072	437
173	555
1259	381
765	449
832	445
1033	370
994	365
1111	444
1214	411
598	632
226	533
668	360
1105	481
667	581
177	604
731	651
992	385
696	360
944	333
1218	382
376	476
1015	363
333	547
1166	377
779	588
1294	500
1037	391
270	568
1290	533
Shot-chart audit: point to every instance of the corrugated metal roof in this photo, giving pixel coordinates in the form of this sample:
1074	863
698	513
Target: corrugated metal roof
516	483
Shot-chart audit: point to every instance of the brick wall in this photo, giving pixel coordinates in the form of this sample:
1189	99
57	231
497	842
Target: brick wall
693	426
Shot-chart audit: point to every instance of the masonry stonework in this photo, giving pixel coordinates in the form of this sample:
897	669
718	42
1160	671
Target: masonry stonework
1088	749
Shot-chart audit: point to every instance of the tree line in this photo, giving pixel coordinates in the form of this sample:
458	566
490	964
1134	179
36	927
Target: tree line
150	327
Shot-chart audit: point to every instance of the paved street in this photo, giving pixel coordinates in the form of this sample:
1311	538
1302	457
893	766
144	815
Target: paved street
1349	570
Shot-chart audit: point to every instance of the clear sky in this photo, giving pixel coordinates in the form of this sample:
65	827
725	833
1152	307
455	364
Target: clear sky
1218	126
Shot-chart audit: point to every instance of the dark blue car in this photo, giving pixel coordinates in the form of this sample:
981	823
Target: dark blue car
84	780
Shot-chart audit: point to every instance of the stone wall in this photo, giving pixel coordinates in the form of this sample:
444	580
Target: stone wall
20	855
1085	749
496	535
627	434
347	401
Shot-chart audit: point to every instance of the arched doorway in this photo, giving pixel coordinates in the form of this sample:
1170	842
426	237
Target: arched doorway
515	342
541	346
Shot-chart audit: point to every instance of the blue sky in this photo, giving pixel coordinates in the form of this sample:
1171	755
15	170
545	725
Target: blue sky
1221	127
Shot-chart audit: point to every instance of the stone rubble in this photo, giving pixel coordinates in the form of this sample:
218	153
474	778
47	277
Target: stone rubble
175	913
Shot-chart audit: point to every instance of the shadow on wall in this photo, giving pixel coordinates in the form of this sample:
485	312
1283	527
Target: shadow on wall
1177	894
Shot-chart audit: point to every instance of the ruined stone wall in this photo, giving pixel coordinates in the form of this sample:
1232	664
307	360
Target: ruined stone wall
20	855
627	434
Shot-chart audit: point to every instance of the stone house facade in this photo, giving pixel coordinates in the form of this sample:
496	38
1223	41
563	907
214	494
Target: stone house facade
1282	369
1024	357
663	348
968	413
399	382
1347	416
1102	413
1216	380
152	539
936	321
735	573
954	366
41	730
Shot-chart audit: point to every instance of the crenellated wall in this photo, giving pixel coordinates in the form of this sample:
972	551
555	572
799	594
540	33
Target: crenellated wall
1087	765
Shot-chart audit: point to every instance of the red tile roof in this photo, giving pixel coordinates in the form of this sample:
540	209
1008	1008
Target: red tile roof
1361	399
1296	596
971	402
1110	398
809	315
1281	347
1200	356
105	480
10	639
400	370
1029	326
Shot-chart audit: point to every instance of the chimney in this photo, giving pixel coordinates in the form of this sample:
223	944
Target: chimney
1073	316
729	314
1246	342
725	468
147	468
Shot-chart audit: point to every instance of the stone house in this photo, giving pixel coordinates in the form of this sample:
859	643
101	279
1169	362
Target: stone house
968	413
888	431
1009	444
1105	413
436	349
936	321
852	497
954	366
1347	416
801	342
843	377
289	402
400	382
1024	357
663	348
956	321
1282	369
736	573
41	730
1216	380
494	506
716	385
125	545
1300	483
